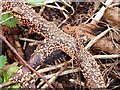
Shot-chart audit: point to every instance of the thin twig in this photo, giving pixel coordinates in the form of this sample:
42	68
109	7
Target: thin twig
100	13
30	40
106	56
23	61
63	73
51	68
6	12
77	82
93	41
54	77
108	70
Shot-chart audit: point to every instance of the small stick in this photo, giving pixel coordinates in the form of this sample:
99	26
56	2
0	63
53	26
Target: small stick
24	62
63	73
54	77
77	82
30	40
50	68
93	41
100	13
106	56
61	65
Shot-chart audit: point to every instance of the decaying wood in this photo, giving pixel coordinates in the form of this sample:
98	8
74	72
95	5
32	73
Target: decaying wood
55	39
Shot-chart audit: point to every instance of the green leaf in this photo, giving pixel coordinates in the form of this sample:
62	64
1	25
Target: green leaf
2	61
0	70
5	76
8	21
9	73
12	70
17	85
1	79
35	2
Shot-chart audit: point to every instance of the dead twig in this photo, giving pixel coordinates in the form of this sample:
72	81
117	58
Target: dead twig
93	41
30	40
106	56
77	82
54	77
100	13
63	73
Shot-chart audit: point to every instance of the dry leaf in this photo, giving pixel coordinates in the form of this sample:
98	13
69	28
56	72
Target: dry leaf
112	16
